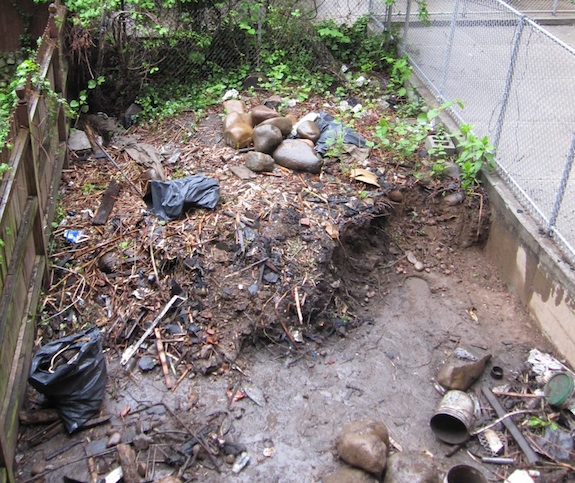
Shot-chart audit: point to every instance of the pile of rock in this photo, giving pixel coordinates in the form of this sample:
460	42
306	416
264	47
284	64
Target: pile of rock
364	445
269	131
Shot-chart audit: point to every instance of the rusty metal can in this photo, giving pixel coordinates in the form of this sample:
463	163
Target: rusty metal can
453	417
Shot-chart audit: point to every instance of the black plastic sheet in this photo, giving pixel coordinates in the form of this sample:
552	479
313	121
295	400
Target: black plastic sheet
331	130
71	373
170	198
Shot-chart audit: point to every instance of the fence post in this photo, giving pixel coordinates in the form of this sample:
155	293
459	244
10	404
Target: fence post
449	47
22	107
52	27
562	188
509	80
406	27
555	3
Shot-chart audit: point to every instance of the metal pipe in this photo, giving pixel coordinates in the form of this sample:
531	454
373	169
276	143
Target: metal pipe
509	79
511	426
449	47
562	188
406	26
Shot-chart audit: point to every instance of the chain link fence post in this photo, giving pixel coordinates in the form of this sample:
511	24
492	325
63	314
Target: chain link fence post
562	188
449	48
509	79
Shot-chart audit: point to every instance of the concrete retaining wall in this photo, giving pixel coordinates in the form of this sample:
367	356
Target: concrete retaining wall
533	268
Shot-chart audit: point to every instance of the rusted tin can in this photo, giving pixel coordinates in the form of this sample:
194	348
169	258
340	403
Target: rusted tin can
453	417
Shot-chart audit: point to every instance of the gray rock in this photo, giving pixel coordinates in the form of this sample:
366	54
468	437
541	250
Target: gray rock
284	124
78	141
297	155
114	440
273	102
410	467
146	363
266	138
452	170
348	475
243	172
308	130
259	161
142	442
453	199
262	113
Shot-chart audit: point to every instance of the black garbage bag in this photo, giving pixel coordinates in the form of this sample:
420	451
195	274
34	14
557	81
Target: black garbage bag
330	130
71	373
170	198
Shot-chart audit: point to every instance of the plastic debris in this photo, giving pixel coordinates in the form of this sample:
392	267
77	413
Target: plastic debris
241	462
75	236
556	444
519	476
231	94
331	130
543	365
462	354
171	198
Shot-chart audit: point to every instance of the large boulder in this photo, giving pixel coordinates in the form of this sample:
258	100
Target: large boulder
348	475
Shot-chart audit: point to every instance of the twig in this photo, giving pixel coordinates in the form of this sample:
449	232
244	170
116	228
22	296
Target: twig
162	355
263	260
498	420
298	306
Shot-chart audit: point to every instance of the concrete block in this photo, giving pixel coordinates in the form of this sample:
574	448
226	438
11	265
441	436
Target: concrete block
434	143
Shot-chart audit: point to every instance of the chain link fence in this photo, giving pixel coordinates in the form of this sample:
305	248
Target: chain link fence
516	82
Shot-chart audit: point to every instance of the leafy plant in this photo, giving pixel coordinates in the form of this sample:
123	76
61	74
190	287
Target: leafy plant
474	153
400	72
80	105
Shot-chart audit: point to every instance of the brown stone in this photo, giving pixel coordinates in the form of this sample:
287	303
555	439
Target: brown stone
262	113
234	105
363	450
348	474
410	467
238	136
236	118
366	426
284	124
308	130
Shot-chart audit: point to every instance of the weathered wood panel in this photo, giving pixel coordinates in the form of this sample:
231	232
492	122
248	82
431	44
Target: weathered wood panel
27	198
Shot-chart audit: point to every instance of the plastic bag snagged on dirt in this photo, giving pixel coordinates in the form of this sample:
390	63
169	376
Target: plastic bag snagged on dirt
71	373
171	198
331	130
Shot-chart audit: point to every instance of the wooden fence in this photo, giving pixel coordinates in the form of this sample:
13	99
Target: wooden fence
28	192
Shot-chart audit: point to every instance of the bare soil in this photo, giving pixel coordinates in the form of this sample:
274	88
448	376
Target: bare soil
303	312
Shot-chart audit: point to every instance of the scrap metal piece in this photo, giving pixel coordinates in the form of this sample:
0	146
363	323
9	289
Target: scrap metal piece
130	351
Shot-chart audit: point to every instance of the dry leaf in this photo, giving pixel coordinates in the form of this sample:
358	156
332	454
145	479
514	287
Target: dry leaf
332	231
473	315
360	174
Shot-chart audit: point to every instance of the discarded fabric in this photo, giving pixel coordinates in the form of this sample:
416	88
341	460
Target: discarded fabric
171	198
71	373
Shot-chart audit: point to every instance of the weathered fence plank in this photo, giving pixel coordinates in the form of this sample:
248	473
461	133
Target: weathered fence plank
28	193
